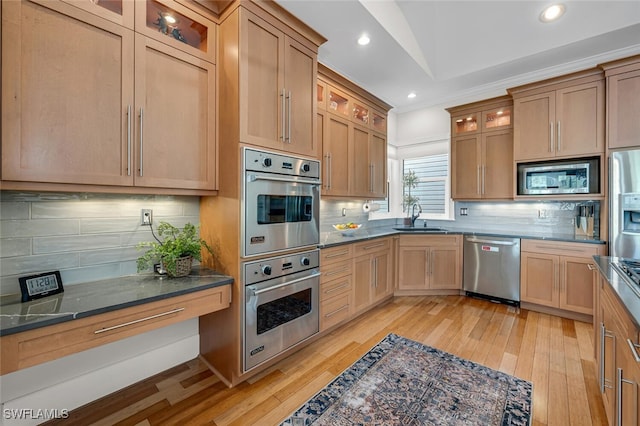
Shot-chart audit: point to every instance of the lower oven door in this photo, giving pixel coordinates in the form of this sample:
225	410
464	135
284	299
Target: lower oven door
279	213
278	314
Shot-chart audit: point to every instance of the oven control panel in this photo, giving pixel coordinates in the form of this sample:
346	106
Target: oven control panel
274	267
271	162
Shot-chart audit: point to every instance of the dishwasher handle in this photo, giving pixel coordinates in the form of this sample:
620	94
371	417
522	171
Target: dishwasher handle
495	242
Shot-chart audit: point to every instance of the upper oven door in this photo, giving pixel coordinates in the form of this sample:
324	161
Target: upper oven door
280	213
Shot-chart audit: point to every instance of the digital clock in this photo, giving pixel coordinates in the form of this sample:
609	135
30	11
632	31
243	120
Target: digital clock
40	285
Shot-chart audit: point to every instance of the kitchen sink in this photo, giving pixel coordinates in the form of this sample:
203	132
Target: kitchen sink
419	229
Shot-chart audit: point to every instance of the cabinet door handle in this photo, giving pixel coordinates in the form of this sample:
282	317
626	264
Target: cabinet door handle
558	138
375	273
478	181
141	138
620	380
606	334
602	337
634	350
288	137
484	169
330	171
282	115
371	177
128	140
427	264
591	267
125	324
551	136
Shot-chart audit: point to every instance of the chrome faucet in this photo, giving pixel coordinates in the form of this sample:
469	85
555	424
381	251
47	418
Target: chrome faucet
414	216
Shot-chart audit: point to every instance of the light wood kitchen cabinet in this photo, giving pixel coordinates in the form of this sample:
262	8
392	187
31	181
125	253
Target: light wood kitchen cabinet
549	277
336	266
429	262
617	358
355	142
337	156
623	102
560	118
482	150
277	84
93	118
372	278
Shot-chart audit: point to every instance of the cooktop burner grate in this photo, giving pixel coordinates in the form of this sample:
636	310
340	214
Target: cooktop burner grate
630	270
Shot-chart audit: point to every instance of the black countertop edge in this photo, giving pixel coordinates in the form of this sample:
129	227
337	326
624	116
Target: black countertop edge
364	235
627	297
11	314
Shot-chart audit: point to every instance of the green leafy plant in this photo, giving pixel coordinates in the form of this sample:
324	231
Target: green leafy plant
409	181
174	244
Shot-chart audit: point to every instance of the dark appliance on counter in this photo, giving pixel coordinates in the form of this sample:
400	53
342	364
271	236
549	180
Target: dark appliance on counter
559	177
624	200
280	206
280	305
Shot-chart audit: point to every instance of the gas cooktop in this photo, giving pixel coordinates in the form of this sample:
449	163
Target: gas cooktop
630	270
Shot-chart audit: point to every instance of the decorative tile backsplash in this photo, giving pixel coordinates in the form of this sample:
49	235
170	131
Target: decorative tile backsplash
87	237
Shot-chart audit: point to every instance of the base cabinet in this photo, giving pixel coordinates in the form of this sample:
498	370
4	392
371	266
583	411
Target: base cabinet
618	359
429	263
336	304
371	273
550	278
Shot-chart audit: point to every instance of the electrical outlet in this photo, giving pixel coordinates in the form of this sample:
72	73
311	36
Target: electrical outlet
464	211
542	214
146	217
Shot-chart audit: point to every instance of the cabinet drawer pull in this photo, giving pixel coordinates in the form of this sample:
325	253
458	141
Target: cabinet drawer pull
115	327
337	271
634	350
341	253
591	267
340	287
342	308
373	246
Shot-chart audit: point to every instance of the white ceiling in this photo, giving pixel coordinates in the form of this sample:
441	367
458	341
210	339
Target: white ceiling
453	52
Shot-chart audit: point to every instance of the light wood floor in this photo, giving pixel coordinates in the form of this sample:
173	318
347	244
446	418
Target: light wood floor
555	354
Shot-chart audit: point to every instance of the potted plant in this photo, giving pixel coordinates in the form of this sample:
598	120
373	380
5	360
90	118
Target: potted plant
409	182
175	249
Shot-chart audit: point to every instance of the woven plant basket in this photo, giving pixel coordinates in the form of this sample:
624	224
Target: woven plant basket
183	267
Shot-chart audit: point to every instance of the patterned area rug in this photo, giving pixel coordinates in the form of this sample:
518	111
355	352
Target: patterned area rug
402	382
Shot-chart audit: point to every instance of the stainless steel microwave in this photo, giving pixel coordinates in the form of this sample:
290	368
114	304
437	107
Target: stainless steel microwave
559	177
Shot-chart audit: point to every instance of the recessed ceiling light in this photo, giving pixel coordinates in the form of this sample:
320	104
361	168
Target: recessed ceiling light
552	13
170	19
411	95
364	40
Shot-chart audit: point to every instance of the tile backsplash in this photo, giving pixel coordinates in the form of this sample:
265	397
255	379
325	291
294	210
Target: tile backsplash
87	237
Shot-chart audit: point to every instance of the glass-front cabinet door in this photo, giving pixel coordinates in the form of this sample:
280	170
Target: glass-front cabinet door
465	124
379	122
338	102
497	118
321	94
360	113
118	11
171	23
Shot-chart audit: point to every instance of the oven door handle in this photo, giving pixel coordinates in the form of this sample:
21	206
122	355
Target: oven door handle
275	287
253	178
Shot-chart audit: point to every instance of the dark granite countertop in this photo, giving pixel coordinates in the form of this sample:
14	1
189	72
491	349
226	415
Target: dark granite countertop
330	239
87	299
629	299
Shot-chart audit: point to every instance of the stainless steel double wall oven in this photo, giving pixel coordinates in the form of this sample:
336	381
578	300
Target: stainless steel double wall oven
280	213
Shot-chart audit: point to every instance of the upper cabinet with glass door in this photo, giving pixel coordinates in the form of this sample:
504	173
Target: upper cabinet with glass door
360	113
497	119
379	122
338	102
171	23
117	11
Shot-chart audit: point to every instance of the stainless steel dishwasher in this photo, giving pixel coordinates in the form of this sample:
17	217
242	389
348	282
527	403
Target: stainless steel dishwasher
492	268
